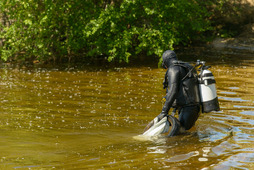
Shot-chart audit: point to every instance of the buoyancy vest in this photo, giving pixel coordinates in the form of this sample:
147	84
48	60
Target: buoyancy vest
188	94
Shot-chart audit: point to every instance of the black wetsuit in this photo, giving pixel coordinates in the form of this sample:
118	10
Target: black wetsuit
188	108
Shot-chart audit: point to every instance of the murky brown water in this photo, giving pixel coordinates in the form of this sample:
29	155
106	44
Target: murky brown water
86	119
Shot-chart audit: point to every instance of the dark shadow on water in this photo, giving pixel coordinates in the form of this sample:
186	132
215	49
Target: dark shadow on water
187	54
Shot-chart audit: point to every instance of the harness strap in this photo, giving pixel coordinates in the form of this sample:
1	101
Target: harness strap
183	64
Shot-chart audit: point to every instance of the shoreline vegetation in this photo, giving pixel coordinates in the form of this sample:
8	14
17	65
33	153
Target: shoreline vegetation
119	31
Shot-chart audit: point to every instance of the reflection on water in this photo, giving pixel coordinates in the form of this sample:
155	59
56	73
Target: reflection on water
86	118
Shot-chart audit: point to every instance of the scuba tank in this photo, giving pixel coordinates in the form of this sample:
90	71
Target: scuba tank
207	89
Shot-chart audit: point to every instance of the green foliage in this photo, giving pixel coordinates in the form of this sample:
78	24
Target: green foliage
149	26
46	30
116	29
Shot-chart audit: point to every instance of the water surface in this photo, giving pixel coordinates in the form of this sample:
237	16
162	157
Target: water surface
86	119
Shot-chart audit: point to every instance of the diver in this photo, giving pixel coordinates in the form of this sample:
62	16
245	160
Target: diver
182	94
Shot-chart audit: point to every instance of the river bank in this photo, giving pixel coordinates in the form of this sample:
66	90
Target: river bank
243	42
226	18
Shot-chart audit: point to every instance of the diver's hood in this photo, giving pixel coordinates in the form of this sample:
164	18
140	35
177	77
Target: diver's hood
168	57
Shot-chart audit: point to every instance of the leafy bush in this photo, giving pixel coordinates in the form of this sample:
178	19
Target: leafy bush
117	29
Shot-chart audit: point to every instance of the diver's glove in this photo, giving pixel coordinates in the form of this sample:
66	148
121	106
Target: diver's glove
161	116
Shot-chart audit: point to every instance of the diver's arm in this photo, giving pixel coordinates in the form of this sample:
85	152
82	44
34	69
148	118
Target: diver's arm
173	88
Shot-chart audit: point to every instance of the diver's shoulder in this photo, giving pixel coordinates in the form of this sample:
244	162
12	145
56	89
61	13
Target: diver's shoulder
174	68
